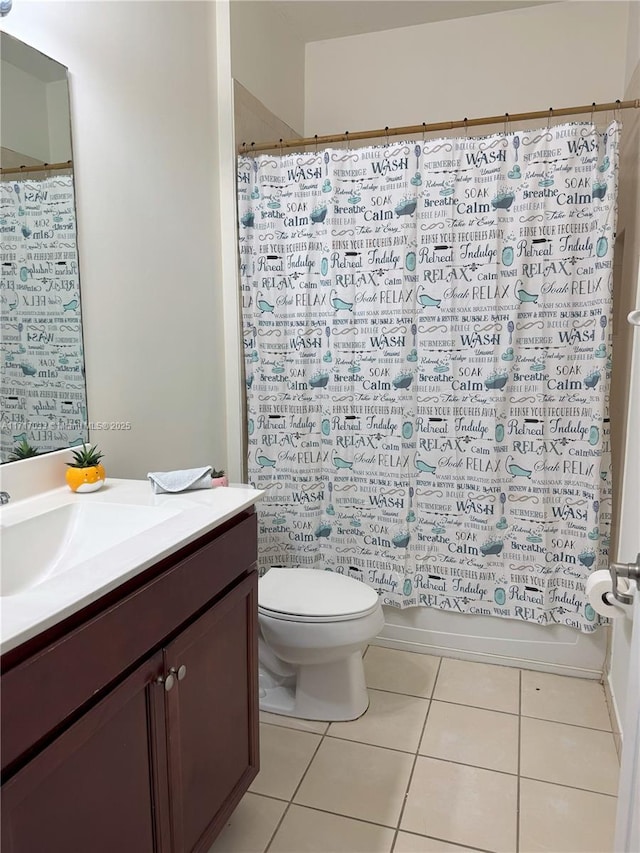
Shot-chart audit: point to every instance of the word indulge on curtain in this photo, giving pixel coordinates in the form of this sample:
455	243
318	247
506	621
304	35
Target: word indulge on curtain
41	369
427	330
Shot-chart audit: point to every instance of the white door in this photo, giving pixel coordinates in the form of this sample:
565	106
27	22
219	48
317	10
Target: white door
628	815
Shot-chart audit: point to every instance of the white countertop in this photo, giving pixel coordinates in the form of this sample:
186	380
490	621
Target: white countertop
25	614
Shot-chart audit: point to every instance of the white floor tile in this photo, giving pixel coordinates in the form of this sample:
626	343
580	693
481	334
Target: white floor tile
554	819
392	720
472	736
464	805
357	780
308	831
284	756
482	685
400	672
251	826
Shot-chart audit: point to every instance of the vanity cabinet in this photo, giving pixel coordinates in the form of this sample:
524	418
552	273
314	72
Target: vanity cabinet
159	756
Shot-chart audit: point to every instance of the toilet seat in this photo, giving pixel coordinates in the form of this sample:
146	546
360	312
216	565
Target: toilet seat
313	595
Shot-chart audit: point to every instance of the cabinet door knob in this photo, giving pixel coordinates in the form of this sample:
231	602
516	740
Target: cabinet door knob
168	682
180	672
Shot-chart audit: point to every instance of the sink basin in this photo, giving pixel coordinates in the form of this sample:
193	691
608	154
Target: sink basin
39	548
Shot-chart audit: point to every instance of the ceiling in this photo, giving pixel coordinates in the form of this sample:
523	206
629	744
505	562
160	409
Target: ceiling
316	20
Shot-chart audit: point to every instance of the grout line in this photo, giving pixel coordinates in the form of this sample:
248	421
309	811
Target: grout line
564	723
466	764
519	748
398	693
294	728
573	787
477	707
460	704
341	814
374	745
445	841
266	796
415	759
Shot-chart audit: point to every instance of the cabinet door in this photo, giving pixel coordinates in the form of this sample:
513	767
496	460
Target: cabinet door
94	787
212	716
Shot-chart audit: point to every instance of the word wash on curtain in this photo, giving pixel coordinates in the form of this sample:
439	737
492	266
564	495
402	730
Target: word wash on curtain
427	331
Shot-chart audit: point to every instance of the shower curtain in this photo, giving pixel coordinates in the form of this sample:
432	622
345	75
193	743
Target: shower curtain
427	333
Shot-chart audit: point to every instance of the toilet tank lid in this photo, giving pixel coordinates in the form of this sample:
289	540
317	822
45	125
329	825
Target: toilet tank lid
314	592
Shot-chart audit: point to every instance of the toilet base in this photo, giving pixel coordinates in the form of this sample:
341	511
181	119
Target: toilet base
331	692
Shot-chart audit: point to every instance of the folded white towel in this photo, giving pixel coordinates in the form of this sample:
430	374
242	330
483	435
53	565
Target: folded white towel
181	481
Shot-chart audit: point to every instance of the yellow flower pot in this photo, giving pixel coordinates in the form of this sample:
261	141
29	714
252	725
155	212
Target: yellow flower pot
86	479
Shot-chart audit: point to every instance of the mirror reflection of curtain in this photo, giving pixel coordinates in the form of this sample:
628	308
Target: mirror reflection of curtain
42	368
427	331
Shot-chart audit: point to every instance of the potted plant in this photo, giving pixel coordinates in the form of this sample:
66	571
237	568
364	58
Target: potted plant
218	479
85	473
23	451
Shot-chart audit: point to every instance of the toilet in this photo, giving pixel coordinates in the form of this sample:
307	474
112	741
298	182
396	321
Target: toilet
314	625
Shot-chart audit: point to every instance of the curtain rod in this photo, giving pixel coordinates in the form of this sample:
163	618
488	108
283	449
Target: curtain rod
442	125
45	167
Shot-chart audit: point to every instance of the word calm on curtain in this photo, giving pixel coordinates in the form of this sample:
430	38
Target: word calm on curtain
427	331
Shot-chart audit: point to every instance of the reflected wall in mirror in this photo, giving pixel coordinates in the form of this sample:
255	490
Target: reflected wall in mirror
42	385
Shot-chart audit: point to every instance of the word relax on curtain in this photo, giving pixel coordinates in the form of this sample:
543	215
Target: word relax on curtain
427	331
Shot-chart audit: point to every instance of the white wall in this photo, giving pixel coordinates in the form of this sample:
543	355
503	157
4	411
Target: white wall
561	54
633	45
268	58
142	81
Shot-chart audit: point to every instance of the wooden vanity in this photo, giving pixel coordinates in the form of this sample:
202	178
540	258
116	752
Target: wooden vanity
132	725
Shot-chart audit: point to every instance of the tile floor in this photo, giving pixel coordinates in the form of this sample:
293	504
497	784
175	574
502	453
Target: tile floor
451	756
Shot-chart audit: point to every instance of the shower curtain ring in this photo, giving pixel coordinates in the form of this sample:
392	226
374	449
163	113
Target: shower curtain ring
550	116
466	127
617	113
347	140
424	130
506	122
281	146
593	109
316	139
386	130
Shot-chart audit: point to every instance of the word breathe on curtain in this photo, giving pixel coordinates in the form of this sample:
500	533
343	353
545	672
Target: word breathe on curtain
42	364
427	329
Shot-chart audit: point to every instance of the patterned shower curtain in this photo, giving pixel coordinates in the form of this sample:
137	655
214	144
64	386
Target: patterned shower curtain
427	332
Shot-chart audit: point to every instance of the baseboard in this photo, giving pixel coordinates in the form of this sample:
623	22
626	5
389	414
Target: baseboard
483	657
556	649
614	715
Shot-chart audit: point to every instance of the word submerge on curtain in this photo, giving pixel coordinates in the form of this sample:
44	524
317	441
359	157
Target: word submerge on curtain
427	331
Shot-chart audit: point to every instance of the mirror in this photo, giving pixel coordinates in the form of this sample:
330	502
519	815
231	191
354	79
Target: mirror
42	385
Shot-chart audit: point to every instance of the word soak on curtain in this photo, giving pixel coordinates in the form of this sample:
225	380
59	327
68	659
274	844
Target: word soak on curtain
427	329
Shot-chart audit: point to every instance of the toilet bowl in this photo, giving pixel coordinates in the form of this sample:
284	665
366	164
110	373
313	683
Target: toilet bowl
313	628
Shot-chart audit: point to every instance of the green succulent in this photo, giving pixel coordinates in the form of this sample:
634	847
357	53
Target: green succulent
86	457
23	451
